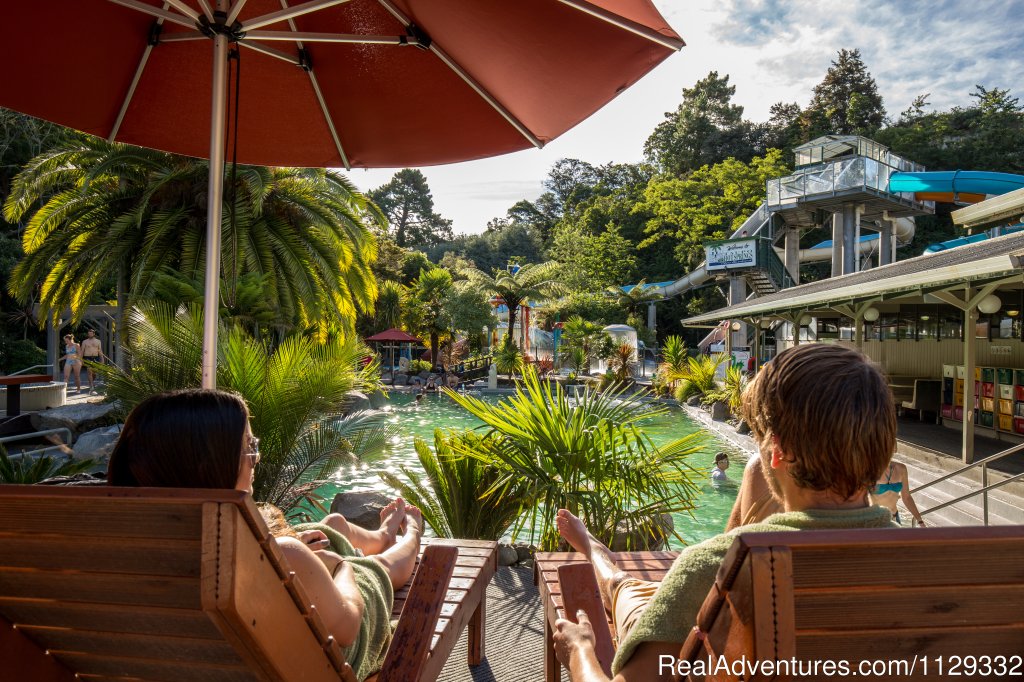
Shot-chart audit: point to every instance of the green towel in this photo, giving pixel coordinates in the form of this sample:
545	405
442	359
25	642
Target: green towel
366	655
672	611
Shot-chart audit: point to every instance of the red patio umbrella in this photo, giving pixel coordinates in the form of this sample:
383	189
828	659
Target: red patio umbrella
325	83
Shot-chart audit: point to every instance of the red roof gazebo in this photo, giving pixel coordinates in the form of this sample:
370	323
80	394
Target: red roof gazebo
393	338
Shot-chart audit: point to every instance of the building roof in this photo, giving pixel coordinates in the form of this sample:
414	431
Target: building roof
393	335
1002	209
980	263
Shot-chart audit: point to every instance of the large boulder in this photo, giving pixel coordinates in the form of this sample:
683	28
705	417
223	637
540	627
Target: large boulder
639	540
378	399
96	444
356	401
719	411
507	555
360	508
78	418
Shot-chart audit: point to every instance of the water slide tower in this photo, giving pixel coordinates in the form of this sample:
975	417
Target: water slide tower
841	182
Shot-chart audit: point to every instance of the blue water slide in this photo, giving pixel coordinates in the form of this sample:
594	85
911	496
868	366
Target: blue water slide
973	182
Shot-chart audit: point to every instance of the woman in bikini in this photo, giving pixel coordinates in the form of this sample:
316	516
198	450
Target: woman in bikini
72	360
892	487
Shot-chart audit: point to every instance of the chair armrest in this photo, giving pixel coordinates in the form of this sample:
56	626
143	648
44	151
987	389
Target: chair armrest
411	642
580	591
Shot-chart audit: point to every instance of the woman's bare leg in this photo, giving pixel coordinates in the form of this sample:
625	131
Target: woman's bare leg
399	560
371	541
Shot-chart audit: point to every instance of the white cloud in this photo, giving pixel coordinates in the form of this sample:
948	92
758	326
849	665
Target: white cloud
773	50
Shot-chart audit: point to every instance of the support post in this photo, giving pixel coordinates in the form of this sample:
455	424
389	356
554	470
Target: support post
837	244
652	316
970	326
885	242
52	348
792	244
849	238
737	294
215	205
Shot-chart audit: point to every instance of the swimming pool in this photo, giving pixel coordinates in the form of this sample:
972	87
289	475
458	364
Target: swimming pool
712	506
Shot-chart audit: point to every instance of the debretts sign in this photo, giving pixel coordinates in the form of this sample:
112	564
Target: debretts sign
731	254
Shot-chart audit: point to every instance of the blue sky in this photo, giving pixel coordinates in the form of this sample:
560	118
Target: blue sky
773	50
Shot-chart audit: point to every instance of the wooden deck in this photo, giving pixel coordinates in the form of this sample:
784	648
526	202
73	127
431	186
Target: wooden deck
647	565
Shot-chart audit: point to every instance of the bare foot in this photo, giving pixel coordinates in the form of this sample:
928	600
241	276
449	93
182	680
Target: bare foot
392	520
414	520
574	532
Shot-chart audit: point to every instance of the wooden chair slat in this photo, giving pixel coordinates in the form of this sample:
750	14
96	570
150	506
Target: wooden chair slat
143	620
909	607
137	555
181	649
101	588
152	670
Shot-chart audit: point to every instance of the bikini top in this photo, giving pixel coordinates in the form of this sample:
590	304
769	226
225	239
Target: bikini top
888	487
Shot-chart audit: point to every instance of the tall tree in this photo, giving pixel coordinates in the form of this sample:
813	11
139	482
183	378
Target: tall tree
706	128
432	290
518	287
846	101
709	204
96	209
409	206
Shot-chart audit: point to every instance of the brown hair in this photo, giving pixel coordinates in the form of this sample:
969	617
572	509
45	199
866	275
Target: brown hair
182	439
832	412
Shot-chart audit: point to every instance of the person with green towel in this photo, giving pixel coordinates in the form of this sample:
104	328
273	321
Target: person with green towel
200	438
825	423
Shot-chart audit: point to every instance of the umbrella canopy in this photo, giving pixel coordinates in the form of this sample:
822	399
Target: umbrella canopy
393	335
326	83
330	83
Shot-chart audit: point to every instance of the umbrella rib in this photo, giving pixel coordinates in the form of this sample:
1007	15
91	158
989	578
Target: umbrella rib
320	98
182	36
329	37
235	10
625	24
469	80
289	13
206	9
328	119
172	17
184	9
270	52
134	84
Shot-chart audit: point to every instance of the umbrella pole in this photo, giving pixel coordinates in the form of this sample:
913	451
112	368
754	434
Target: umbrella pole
214	207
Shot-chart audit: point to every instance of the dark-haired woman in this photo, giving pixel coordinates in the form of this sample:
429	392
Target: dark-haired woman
201	439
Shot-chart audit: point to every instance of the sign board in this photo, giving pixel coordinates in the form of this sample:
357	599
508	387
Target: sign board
731	254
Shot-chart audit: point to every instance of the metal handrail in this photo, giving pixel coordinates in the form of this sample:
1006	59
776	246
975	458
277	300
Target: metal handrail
985	487
22	371
36	434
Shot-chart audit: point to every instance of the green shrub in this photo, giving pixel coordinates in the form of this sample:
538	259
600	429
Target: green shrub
26	470
508	358
462	497
588	454
417	366
19	354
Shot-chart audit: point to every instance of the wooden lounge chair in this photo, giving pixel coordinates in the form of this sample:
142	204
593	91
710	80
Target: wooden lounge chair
176	585
856	595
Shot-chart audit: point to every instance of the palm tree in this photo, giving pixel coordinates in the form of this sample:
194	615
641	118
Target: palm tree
296	393
637	297
587	454
432	290
97	209
515	289
389	305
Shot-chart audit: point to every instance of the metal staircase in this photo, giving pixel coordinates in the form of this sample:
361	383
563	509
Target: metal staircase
771	274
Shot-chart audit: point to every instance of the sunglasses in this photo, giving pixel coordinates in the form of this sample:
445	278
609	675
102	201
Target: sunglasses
254	451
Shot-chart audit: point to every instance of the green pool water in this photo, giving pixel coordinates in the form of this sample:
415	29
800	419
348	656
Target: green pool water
713	504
